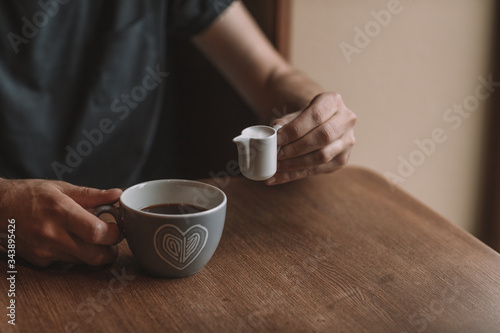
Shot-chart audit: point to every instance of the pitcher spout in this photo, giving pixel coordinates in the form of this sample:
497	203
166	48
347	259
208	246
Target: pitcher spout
243	144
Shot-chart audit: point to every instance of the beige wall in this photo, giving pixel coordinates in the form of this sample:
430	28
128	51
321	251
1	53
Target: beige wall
401	84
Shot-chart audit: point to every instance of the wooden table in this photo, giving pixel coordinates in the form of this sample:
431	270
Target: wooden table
334	253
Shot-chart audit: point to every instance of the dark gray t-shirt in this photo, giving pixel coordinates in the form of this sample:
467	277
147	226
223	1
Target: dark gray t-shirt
83	83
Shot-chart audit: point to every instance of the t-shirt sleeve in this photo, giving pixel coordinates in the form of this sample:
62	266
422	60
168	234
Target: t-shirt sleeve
190	17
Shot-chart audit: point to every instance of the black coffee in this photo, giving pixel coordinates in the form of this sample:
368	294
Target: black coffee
173	209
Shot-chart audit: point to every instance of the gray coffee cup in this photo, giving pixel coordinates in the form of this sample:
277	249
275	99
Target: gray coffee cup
170	245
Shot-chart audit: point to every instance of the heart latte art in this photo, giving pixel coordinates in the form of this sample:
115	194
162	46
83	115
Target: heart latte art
179	248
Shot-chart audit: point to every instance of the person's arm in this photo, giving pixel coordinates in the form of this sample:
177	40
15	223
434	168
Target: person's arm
319	135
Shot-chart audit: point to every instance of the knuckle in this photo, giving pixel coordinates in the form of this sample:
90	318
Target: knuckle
319	115
348	140
86	191
47	232
336	96
353	118
95	232
324	156
326	134
352	140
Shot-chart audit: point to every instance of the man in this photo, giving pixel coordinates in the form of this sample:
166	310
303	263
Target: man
82	89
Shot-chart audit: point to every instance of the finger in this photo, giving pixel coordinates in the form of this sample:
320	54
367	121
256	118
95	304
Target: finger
86	225
285	177
322	108
42	257
42	262
286	119
315	158
318	138
90	254
90	197
66	247
320	156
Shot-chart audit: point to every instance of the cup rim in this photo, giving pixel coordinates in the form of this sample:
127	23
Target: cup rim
275	131
185	181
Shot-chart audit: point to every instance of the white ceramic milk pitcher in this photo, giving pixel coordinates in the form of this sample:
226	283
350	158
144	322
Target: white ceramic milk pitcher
258	151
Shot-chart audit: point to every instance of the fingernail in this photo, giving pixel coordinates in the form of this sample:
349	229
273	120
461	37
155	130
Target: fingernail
281	153
113	190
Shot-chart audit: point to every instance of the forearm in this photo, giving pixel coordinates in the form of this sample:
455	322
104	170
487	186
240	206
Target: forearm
239	49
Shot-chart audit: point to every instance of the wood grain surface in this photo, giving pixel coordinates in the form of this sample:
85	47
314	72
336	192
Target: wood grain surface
334	253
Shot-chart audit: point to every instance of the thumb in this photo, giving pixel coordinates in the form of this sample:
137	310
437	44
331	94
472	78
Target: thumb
88	197
286	119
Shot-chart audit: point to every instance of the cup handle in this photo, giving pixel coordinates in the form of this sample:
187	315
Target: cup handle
277	128
115	212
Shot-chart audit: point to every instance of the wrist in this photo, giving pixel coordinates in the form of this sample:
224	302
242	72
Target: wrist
291	91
